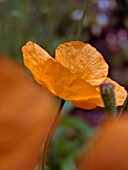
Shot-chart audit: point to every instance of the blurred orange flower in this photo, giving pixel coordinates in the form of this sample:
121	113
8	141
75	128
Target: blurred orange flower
74	75
109	148
26	118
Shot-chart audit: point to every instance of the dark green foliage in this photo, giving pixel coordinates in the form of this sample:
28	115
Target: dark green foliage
68	143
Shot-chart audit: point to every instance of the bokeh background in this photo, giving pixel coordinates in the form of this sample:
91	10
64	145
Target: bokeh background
51	22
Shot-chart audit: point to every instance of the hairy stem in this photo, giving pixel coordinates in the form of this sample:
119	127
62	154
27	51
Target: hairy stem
124	108
80	24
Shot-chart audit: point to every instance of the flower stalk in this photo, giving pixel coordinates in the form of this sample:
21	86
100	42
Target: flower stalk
80	24
42	164
124	108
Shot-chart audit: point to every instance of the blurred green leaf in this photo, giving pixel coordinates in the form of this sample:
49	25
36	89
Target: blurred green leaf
68	142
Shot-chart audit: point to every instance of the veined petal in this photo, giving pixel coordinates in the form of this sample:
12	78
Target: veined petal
84	60
90	103
120	92
58	80
34	58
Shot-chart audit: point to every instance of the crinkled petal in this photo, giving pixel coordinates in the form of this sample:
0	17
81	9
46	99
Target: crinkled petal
34	58
88	104
84	60
120	92
58	80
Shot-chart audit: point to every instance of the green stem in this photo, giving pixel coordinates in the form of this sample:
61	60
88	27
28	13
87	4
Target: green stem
124	108
108	96
51	131
80	24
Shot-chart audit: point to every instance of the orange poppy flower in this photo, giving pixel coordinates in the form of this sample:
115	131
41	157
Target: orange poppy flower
74	75
109	149
26	118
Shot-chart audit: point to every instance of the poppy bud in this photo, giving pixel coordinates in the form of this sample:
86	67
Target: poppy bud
108	96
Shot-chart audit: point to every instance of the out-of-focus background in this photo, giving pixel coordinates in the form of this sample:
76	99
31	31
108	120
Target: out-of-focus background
51	22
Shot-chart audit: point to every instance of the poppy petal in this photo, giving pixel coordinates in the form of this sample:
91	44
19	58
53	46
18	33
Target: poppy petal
108	149
84	60
58	80
34	58
88	104
26	117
